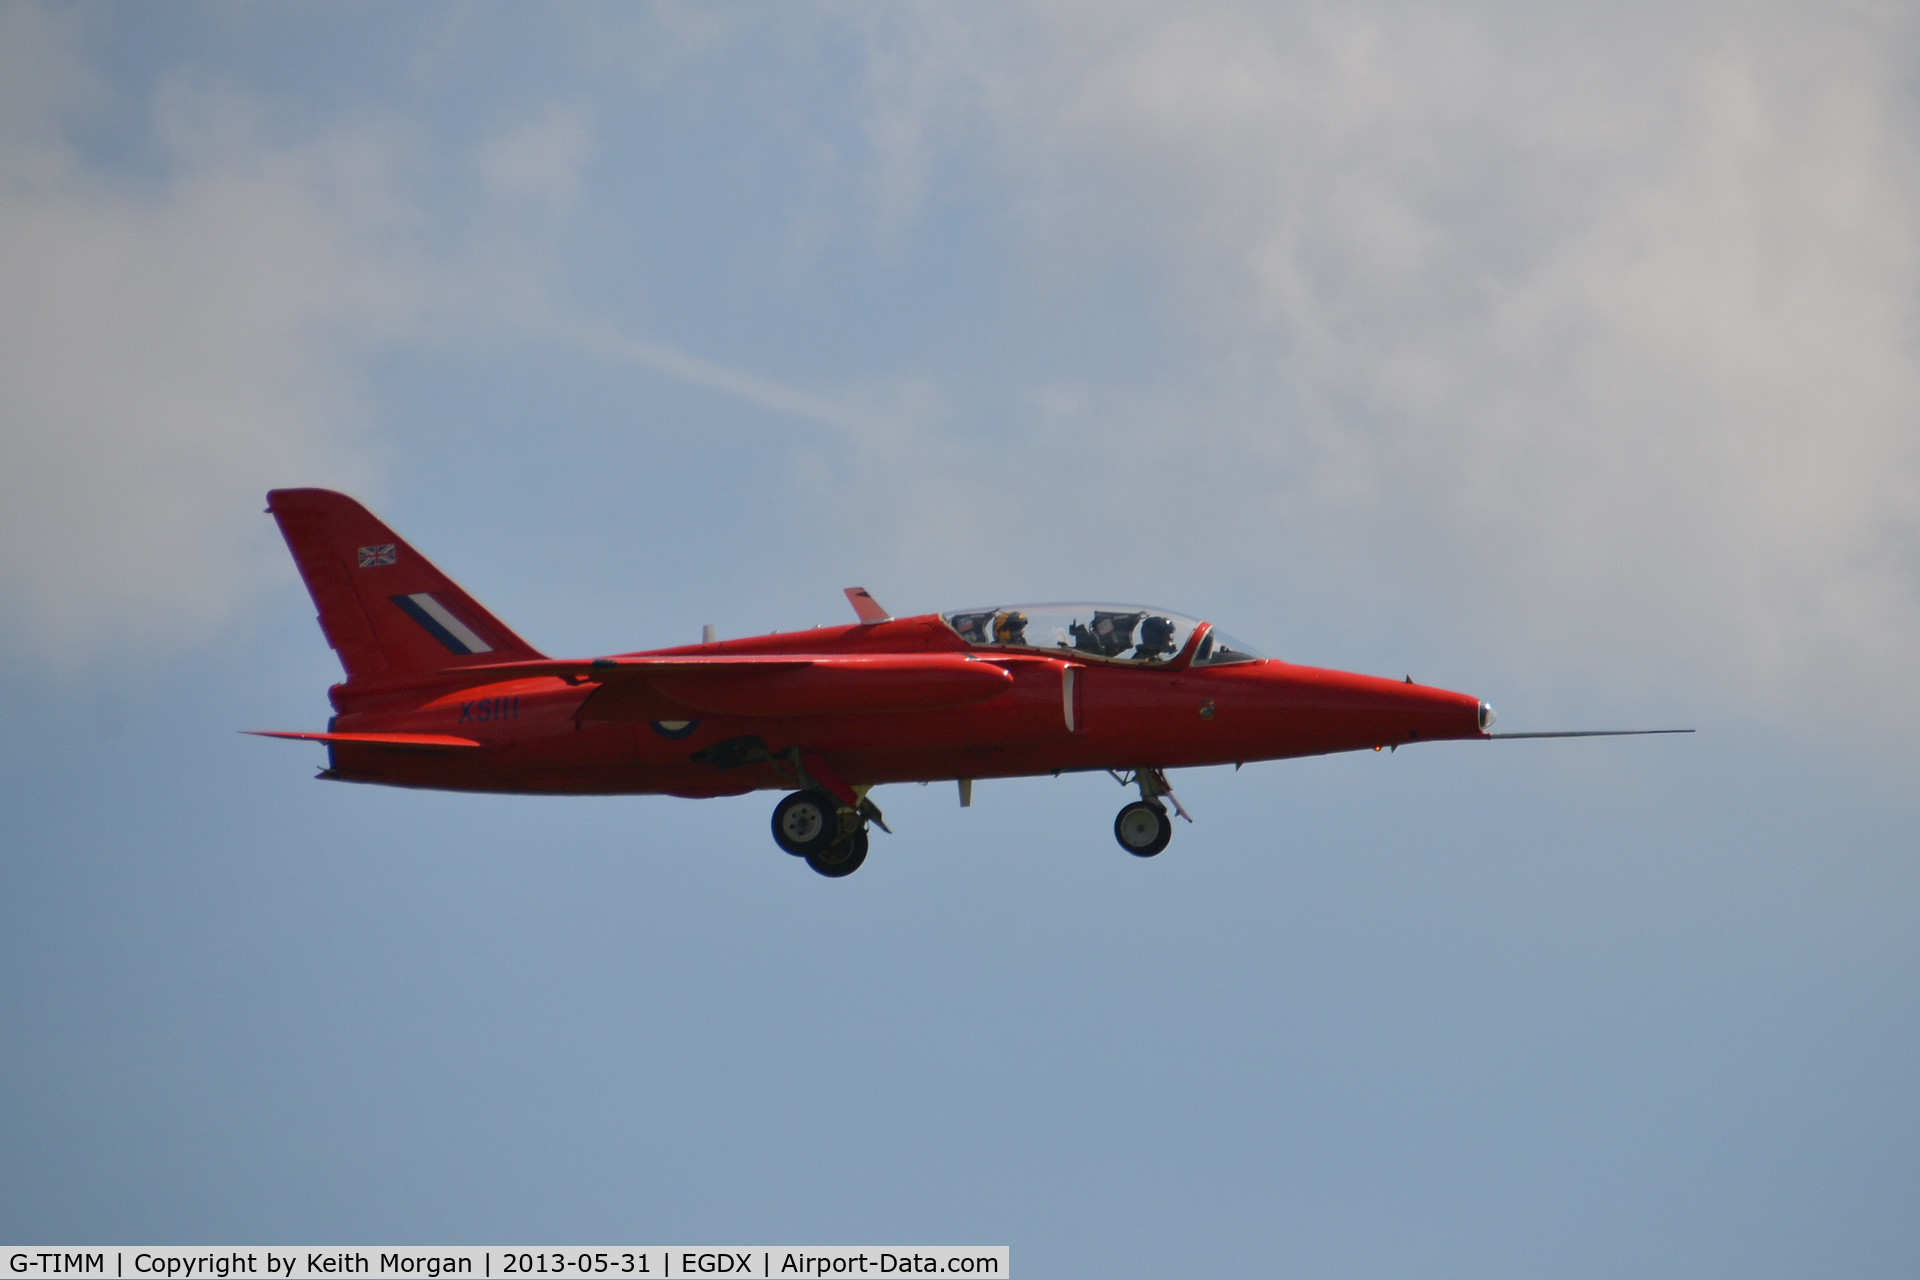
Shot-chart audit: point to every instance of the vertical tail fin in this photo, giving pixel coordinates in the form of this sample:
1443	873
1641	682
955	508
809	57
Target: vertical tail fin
387	612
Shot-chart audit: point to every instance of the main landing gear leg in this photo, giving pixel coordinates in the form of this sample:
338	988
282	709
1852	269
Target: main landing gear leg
826	821
1143	827
811	824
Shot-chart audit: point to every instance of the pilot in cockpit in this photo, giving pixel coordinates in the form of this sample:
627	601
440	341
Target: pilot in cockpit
972	626
1010	628
1156	639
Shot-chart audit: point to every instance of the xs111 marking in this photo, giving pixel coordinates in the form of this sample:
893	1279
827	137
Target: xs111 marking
481	710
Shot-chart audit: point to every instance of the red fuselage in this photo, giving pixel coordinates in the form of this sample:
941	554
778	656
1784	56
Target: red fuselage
904	700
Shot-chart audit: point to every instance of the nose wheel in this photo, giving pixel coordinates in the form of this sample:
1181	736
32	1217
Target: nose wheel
1143	828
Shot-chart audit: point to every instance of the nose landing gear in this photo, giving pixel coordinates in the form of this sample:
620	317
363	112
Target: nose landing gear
1143	827
811	824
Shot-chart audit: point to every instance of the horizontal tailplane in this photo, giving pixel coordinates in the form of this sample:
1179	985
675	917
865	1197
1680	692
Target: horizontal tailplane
413	741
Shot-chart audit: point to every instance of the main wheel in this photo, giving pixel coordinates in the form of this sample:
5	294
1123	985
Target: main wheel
842	858
806	822
1143	828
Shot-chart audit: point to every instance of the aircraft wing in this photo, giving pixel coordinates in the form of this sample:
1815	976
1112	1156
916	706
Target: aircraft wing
665	688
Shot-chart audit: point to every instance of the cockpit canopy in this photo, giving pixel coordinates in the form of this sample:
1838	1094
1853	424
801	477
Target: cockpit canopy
1122	632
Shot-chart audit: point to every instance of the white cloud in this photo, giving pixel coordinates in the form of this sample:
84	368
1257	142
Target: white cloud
541	160
853	415
170	349
1591	332
1587	332
177	343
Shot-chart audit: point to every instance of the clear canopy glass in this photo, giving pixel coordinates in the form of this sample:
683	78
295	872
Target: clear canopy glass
1217	648
1119	632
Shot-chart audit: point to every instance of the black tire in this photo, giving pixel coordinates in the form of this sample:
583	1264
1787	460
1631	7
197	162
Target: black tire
842	858
806	822
1143	828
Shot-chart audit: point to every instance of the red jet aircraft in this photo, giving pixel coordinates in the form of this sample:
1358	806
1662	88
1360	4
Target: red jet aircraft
439	693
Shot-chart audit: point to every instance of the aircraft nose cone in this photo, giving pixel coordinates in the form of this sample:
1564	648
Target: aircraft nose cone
1487	716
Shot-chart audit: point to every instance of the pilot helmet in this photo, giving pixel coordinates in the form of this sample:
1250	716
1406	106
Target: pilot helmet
1156	637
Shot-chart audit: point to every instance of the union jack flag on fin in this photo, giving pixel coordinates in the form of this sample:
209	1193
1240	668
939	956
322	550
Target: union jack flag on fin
374	557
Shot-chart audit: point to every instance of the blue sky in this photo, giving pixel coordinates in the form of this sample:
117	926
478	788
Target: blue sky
1566	360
